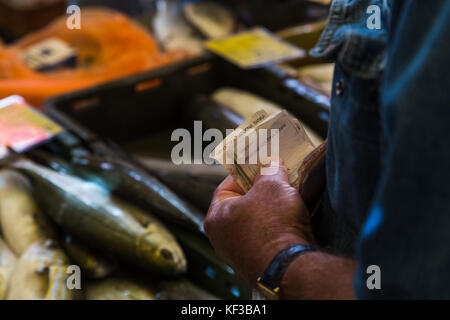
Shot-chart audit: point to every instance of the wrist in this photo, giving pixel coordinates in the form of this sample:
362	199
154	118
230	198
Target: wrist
269	284
297	275
268	253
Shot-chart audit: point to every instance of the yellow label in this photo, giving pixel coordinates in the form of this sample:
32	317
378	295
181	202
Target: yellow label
22	127
254	48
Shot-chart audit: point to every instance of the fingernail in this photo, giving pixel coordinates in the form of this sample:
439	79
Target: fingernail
272	164
275	163
271	168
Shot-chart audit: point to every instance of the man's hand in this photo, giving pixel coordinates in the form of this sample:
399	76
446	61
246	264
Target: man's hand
248	230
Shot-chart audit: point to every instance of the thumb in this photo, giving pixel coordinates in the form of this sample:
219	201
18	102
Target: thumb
274	171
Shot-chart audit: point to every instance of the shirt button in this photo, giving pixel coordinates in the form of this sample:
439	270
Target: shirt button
339	87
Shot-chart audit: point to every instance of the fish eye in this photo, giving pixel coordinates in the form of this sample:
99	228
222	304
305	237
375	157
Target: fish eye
166	254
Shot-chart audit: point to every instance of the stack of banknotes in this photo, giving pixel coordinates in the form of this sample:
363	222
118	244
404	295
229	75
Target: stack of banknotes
264	137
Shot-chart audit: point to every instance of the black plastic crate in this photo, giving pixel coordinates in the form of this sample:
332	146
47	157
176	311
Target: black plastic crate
108	116
146	103
277	15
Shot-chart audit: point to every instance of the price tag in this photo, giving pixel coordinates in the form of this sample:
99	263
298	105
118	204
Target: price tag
22	127
50	54
255	48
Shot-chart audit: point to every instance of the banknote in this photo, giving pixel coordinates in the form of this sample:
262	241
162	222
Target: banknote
261	138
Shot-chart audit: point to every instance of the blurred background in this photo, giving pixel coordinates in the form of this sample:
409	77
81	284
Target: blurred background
177	27
116	88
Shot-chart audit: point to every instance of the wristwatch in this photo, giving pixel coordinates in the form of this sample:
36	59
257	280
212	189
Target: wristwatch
268	285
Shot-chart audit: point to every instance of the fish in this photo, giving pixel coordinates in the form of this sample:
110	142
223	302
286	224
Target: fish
214	114
246	104
196	183
243	102
92	264
325	2
117	288
90	212
7	264
174	32
141	188
182	290
22	221
318	76
211	19
42	273
305	36
55	163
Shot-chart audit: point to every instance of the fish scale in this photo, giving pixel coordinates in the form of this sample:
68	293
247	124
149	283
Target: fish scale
22	221
142	188
94	215
7	264
41	273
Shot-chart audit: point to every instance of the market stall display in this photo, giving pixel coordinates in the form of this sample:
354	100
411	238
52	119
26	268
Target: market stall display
105	195
109	46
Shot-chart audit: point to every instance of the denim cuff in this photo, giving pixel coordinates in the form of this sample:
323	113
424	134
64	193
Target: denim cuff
347	39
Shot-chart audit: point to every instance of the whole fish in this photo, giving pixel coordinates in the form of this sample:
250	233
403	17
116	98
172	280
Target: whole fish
182	290
196	183
118	289
174	32
318	76
93	214
41	273
7	264
140	187
246	104
243	102
55	163
21	220
92	264
210	18
214	114
213	174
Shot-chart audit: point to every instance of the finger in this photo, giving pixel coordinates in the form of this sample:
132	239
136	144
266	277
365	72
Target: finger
227	189
274	170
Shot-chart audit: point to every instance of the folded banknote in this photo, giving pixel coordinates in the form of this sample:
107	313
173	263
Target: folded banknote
261	138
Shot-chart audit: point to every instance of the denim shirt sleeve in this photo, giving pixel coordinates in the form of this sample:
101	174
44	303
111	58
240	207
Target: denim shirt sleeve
407	232
347	40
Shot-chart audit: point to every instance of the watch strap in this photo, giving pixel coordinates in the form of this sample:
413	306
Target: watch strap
273	275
